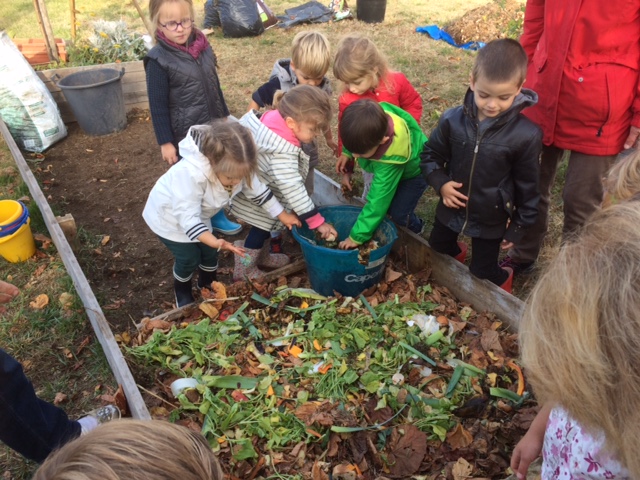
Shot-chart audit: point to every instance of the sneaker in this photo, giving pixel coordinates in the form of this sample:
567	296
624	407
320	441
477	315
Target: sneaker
517	267
221	224
97	417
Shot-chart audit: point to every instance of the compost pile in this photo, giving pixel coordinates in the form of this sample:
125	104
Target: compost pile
498	19
401	382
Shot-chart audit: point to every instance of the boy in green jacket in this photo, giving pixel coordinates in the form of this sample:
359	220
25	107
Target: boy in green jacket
387	142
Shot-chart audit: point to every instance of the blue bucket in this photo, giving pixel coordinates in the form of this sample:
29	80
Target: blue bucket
339	270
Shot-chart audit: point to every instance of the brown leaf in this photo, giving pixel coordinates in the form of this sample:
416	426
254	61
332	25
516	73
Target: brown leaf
209	310
333	448
459	438
462	470
60	398
40	302
85	341
105	240
318	471
408	447
344	472
66	300
120	400
391	275
490	340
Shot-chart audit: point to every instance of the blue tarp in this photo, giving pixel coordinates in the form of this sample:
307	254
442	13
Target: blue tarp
437	33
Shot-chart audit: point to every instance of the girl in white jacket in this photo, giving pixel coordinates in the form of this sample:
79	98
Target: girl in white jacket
219	161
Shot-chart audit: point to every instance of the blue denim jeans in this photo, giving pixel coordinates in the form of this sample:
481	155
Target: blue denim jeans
28	425
404	203
189	256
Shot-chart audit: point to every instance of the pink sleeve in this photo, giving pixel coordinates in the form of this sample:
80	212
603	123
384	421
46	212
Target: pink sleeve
315	221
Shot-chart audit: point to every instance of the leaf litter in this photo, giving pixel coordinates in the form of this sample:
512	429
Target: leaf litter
402	382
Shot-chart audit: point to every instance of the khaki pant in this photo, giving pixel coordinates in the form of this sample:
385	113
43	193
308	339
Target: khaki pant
582	195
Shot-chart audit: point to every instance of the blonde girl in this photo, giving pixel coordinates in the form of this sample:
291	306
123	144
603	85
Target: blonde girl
623	180
365	74
182	83
299	116
219	161
134	450
580	338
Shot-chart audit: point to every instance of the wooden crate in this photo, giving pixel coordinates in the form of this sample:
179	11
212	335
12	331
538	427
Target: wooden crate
134	85
35	50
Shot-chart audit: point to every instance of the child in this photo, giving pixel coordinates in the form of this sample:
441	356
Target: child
182	83
623	180
482	159
299	116
134	450
219	162
308	65
387	142
364	71
580	337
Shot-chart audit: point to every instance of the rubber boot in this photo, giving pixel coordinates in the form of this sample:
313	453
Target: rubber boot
508	283
205	278
183	293
221	224
267	259
462	256
246	267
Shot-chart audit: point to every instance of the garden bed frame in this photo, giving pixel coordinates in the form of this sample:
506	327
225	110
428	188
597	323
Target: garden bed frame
481	294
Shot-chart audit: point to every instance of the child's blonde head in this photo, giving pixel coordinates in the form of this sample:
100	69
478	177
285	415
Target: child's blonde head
154	12
358	57
311	54
580	333
134	450
229	147
623	180
304	103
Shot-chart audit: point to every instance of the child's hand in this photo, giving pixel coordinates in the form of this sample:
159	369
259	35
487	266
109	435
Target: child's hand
506	245
346	181
224	245
341	164
326	231
289	219
527	450
347	244
169	153
451	197
333	146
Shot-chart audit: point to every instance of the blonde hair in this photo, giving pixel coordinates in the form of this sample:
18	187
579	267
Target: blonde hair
305	103
623	180
229	147
580	334
358	57
311	53
134	450
154	12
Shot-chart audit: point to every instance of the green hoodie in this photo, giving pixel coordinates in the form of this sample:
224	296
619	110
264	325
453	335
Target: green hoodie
400	162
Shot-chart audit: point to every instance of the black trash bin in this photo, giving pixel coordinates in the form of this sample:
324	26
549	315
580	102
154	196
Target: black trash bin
96	99
371	11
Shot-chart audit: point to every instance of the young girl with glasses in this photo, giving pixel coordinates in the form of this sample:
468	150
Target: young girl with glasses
182	83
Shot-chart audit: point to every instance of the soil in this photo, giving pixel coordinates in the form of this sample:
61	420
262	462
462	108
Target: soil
103	182
499	19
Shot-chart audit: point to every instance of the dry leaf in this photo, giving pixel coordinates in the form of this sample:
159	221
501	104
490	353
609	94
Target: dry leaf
391	275
318	471
490	340
459	438
105	240
209	310
121	401
40	302
408	447
60	398
461	470
66	300
344	472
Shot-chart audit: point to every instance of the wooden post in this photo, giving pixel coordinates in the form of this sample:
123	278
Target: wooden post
143	17
45	26
72	6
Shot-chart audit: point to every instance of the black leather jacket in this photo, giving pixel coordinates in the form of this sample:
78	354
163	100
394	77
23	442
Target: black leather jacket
497	161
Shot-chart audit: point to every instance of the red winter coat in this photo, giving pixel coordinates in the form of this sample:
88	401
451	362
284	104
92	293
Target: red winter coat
395	89
584	58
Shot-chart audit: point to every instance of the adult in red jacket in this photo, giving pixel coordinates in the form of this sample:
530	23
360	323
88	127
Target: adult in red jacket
584	59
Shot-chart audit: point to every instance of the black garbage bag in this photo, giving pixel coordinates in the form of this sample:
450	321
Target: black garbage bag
311	12
240	18
211	14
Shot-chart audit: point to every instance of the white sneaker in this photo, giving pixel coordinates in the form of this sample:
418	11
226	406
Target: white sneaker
99	416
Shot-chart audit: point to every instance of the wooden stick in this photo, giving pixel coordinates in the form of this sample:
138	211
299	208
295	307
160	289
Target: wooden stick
292	268
47	31
98	321
72	6
147	25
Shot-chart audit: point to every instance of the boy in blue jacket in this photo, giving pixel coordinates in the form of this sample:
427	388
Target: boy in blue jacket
483	160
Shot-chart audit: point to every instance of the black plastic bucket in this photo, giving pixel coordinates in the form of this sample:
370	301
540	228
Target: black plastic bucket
371	11
96	99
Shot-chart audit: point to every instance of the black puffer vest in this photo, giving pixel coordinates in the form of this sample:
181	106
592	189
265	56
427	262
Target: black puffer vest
195	96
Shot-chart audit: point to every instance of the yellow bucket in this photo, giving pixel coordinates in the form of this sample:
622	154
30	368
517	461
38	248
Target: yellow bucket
10	211
19	246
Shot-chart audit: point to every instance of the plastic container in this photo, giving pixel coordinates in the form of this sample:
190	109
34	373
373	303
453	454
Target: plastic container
16	240
339	270
371	11
96	99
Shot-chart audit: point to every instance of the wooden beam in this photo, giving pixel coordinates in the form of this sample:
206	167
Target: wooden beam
481	294
47	31
144	18
98	321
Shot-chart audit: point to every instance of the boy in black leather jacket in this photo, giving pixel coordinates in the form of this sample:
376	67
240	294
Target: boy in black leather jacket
483	160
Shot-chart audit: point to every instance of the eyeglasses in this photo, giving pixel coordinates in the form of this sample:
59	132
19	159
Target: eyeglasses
173	26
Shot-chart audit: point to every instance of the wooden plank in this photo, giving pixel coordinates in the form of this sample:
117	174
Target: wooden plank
481	294
290	269
98	321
